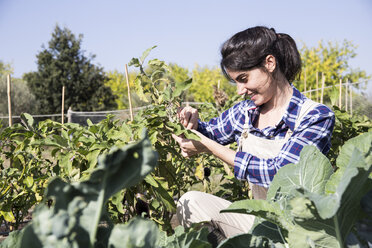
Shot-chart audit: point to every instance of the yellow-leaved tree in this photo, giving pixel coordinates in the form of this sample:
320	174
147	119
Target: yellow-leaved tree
118	84
204	78
330	60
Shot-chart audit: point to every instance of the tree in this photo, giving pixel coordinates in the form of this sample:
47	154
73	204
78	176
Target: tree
118	84
203	81
331	59
64	64
22	98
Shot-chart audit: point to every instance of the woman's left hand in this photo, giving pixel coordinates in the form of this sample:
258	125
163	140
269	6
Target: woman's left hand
191	147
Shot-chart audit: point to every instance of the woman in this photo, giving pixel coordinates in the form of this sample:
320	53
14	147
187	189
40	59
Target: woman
271	128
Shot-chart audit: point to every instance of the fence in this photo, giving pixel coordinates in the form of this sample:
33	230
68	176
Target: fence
345	100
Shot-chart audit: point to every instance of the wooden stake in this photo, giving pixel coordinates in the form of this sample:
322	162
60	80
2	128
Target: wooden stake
323	82
129	97
305	81
351	99
346	95
9	99
310	93
63	105
340	95
317	87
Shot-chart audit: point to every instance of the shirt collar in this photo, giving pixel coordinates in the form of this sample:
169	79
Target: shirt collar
295	103
290	116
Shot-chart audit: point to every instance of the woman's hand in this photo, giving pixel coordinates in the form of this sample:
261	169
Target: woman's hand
191	147
188	117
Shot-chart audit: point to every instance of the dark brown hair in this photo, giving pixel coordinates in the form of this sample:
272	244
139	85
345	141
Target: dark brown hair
248	49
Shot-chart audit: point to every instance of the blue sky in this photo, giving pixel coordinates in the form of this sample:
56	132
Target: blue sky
186	32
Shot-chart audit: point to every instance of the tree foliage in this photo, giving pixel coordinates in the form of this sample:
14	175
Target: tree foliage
118	84
204	79
64	64
22	98
331	59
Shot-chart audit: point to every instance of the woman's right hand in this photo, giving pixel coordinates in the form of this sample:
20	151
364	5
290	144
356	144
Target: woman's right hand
188	117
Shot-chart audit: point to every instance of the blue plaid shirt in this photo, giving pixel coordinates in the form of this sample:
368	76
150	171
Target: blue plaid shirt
315	129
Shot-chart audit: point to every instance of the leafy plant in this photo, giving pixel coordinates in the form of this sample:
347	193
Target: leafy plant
310	204
346	127
77	217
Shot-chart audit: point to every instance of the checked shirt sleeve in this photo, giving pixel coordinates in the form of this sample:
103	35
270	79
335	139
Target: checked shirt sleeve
225	128
315	129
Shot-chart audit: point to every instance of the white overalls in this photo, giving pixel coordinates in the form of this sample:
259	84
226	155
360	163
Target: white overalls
194	206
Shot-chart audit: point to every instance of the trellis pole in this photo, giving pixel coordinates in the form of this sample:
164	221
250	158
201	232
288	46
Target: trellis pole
340	95
63	105
9	99
317	86
351	99
323	82
346	95
305	80
129	97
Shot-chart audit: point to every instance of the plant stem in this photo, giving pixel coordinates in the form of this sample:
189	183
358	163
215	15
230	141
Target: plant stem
338	233
97	217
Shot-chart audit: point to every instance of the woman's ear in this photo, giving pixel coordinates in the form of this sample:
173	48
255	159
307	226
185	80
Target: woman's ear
270	63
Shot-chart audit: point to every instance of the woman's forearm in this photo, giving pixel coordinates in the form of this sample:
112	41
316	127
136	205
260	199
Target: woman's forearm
222	152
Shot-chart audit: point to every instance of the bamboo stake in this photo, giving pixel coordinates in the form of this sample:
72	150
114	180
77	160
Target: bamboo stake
63	105
340	96
129	97
346	95
9	100
310	93
317	87
351	99
323	82
305	81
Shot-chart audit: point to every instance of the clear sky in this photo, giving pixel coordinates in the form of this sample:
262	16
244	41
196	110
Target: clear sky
186	32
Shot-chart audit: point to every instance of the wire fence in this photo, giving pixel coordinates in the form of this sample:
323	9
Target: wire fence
345	100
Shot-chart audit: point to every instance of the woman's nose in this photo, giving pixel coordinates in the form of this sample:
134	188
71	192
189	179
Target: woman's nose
241	89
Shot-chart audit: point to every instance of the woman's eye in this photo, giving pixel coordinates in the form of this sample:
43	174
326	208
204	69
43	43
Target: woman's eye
242	80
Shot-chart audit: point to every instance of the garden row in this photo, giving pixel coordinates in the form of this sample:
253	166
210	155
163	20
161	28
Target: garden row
108	173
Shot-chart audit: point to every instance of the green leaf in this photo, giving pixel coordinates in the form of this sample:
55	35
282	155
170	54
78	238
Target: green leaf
268	210
13	240
363	143
161	192
28	121
189	238
135	62
28	181
8	216
92	158
303	174
146	53
181	87
137	233
248	240
139	89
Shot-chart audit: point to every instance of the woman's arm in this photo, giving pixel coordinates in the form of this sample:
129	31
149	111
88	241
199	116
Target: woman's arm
193	147
223	129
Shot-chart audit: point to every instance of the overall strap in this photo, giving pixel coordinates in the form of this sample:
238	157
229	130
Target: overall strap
306	107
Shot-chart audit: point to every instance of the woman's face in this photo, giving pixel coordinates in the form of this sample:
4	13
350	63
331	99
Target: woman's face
255	83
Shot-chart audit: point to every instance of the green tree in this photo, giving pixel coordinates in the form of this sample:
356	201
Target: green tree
118	84
203	81
64	64
5	68
22	98
331	60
